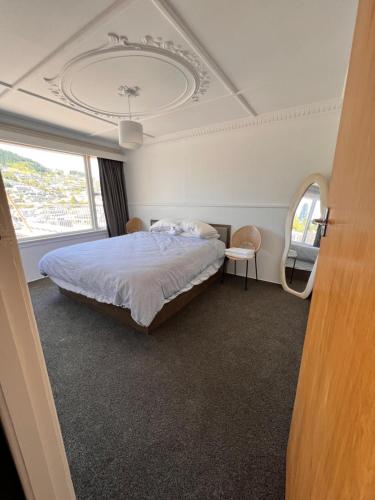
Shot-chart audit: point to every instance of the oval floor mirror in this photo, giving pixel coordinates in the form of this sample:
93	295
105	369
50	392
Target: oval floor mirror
302	236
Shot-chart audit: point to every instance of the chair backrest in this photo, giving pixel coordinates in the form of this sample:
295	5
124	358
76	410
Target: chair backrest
133	225
247	237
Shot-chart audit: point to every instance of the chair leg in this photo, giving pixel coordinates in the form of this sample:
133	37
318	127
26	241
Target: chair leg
256	267
292	272
223	273
235	268
247	268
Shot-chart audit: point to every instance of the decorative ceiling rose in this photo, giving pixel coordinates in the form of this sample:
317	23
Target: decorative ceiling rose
128	91
94	81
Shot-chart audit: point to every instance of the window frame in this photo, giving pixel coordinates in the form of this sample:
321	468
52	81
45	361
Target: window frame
90	196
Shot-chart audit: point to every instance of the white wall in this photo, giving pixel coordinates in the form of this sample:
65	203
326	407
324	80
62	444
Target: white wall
242	176
33	251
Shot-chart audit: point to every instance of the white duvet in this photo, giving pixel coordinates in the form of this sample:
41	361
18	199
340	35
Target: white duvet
139	271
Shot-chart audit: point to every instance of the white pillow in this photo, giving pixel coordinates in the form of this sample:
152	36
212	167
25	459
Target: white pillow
166	226
198	229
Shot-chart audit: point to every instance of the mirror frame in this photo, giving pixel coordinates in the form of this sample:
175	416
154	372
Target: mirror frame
323	188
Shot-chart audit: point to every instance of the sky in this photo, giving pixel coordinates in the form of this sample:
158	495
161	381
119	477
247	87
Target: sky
49	159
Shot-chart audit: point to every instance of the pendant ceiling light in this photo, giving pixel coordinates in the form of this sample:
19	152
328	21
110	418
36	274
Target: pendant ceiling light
130	132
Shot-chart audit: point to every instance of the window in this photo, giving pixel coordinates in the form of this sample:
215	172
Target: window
49	192
304	230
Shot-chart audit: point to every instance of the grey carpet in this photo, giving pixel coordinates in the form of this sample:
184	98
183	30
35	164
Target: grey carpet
199	410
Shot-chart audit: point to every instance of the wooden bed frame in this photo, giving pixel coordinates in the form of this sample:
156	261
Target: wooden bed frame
169	309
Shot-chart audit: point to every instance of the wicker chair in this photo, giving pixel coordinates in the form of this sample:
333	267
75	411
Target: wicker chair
246	237
133	225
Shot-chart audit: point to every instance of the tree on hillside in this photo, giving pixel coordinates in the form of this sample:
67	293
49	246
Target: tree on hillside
8	158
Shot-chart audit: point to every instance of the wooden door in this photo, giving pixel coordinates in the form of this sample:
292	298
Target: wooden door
331	451
27	409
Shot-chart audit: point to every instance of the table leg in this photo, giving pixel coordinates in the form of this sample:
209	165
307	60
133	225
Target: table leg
256	267
235	268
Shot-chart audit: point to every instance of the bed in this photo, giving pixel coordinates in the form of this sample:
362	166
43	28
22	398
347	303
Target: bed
142	278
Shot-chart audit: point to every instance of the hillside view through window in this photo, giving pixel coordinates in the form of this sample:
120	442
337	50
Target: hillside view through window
304	229
50	192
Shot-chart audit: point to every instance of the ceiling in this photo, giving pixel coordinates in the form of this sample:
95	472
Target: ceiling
258	56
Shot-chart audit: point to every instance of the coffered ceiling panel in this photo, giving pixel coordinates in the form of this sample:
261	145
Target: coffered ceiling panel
32	29
286	53
208	112
196	63
63	116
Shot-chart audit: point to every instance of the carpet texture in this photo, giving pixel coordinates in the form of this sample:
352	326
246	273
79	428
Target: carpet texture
199	410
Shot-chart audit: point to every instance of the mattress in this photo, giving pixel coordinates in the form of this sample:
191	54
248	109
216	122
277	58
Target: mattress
140	271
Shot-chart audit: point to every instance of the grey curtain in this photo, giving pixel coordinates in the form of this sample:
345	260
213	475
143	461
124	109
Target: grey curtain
115	203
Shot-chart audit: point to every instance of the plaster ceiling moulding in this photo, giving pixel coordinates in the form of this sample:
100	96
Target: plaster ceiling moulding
167	75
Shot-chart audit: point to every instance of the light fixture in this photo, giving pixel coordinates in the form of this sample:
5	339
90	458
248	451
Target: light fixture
130	132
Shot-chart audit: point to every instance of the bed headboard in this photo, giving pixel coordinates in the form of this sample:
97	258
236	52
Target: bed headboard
223	230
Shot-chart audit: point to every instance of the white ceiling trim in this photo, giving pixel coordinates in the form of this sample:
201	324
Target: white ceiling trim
101	17
333	105
181	27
